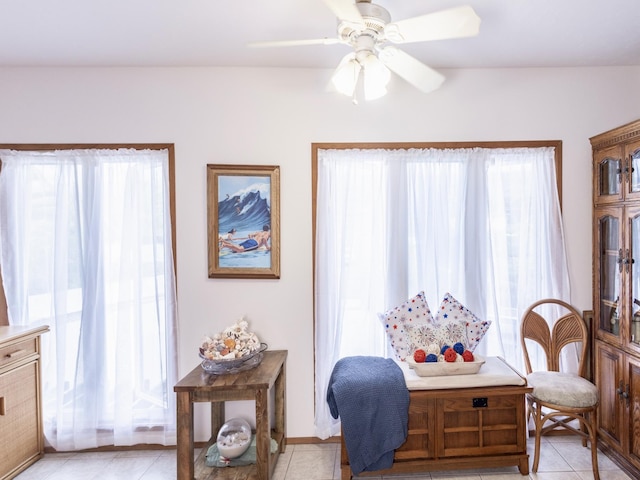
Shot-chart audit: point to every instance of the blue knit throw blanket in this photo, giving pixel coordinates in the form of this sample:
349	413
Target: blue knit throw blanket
370	396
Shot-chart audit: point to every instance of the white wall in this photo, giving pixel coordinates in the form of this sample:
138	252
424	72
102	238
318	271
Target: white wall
271	116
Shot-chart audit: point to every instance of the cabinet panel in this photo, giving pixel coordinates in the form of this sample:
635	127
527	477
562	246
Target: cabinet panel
608	378
421	435
18	393
470	429
632	400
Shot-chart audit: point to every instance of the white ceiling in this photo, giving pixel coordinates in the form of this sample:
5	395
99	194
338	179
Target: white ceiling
513	33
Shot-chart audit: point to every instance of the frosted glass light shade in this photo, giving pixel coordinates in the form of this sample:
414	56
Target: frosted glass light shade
345	78
376	78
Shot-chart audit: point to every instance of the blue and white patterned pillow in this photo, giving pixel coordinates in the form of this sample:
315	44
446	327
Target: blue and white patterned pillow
414	311
452	310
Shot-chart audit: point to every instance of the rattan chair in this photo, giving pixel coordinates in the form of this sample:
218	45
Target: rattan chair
559	398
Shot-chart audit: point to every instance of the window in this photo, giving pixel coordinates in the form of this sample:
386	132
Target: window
481	222
87	247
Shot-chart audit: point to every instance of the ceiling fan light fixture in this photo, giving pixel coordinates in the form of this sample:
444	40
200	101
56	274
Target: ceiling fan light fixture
345	78
376	77
367	27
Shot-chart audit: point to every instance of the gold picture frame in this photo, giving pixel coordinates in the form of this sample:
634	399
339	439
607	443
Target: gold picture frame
243	216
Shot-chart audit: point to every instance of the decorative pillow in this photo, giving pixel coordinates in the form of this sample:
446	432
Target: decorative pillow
452	310
449	333
395	321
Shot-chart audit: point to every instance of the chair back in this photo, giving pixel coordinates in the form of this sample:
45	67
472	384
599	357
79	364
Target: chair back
569	328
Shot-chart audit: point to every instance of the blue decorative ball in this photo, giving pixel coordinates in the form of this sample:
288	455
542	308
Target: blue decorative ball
459	348
444	349
432	357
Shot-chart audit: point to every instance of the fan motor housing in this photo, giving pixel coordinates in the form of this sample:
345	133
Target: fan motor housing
373	13
375	18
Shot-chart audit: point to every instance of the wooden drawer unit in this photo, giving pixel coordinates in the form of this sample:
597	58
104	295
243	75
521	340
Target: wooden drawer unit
460	428
12	353
21	437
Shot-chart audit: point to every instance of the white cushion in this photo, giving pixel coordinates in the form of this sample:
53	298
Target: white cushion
396	320
564	389
451	310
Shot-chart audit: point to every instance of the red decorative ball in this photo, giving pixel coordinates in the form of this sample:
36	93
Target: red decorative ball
450	355
419	356
467	356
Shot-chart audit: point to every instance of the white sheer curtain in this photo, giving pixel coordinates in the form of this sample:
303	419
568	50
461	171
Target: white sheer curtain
482	224
86	247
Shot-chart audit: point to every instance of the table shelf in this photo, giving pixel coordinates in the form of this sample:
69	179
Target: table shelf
249	472
254	384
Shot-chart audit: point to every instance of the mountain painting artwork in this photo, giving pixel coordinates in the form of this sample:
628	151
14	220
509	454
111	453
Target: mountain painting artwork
243	210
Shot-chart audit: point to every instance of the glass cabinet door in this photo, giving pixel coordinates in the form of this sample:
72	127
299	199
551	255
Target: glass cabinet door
634	163
609	176
611	267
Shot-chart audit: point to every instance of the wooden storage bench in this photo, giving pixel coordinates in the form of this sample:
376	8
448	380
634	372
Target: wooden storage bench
461	427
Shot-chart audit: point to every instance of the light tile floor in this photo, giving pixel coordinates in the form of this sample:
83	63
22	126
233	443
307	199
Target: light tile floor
562	458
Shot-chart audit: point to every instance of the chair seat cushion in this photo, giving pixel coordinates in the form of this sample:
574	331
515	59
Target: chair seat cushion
564	389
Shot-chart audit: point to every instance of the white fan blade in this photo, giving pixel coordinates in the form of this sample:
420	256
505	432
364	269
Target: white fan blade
293	43
412	70
345	10
452	23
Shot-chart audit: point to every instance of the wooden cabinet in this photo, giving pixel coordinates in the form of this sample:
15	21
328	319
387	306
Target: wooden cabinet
480	427
616	290
21	436
618	377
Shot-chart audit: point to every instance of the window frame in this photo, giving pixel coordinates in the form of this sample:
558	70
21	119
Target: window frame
556	144
170	147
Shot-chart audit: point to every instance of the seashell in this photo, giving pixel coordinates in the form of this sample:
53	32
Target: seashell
234	341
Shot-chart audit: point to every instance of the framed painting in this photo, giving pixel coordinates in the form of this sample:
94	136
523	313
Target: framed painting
243	213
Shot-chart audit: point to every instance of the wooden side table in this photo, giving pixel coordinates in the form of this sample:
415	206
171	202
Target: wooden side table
254	384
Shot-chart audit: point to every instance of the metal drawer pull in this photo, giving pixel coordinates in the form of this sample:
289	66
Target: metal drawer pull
2	410
17	353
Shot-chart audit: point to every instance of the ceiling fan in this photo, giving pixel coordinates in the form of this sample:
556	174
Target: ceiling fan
367	28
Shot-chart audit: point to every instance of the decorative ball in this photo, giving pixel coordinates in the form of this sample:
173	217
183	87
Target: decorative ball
467	356
450	355
459	348
432	357
444	349
433	348
419	356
